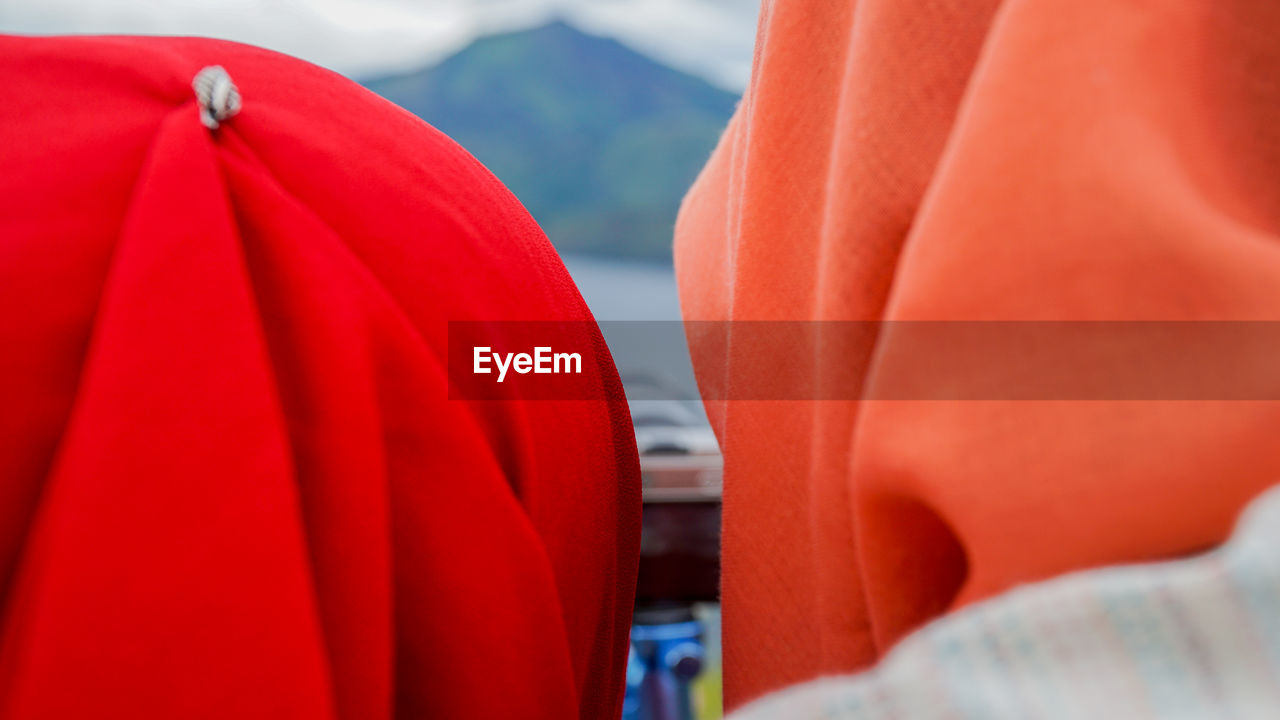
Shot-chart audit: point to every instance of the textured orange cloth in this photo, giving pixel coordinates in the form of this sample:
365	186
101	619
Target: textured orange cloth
1051	160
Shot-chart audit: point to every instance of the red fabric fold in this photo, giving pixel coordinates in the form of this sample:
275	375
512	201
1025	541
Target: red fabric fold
235	483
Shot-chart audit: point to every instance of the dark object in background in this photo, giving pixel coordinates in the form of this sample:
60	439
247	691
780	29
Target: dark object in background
679	550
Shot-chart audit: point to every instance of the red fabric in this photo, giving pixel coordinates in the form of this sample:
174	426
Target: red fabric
233	483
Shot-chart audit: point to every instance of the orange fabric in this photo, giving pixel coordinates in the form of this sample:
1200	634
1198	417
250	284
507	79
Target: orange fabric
1051	160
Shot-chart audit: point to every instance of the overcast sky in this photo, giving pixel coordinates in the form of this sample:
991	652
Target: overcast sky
712	38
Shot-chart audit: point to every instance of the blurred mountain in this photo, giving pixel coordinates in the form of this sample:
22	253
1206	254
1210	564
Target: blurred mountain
598	141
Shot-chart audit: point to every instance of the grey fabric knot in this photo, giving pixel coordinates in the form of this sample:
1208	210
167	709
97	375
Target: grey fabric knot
218	97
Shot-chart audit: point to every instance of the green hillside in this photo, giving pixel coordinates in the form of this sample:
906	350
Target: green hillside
597	140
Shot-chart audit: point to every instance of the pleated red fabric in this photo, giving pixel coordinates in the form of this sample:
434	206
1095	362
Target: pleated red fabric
232	481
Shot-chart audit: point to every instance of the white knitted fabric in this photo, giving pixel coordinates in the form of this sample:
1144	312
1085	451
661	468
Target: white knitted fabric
1196	638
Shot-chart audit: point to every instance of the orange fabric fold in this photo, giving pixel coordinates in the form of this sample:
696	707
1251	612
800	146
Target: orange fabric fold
1018	160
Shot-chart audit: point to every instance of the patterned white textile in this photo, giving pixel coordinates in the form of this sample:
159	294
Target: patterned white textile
1196	638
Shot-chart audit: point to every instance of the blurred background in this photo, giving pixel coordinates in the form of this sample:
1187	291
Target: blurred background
598	114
